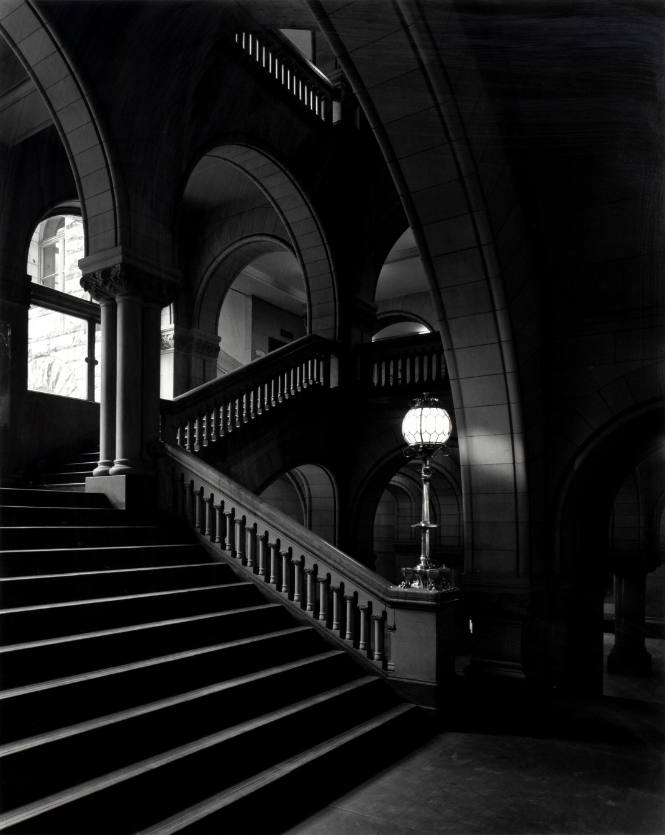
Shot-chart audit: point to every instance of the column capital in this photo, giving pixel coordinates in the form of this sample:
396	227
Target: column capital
116	272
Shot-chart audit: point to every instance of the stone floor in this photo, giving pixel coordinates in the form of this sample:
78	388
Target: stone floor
567	768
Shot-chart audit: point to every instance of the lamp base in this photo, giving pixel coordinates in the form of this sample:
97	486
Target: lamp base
429	578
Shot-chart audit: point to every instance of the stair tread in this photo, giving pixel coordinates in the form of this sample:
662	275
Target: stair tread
133	627
91	601
22	552
146	662
225	798
113	778
103	572
158	704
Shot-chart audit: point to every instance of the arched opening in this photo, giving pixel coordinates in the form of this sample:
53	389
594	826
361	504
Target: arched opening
608	542
63	320
308	494
402	295
264	309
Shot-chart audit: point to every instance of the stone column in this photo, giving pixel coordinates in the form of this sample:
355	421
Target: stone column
107	394
629	655
132	295
129	385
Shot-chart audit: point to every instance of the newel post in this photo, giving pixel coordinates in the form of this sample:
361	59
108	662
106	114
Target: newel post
420	628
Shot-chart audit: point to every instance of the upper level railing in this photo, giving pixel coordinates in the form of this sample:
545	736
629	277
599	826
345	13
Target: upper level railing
406	362
291	70
399	631
210	412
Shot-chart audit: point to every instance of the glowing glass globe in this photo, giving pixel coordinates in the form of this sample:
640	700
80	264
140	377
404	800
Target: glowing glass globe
426	425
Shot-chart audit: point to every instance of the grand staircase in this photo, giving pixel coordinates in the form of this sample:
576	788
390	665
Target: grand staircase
146	687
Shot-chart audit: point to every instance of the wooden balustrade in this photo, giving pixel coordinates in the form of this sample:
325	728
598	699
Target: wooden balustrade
407	362
396	631
211	412
291	70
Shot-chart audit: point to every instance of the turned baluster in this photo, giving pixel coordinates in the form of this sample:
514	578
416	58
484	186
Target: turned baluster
197	431
280	398
210	516
323	598
228	531
335	607
198	507
188	435
272	546
261	554
259	399
250	540
349	599
213	424
309	603
204	430
273	392
240	538
299	377
245	407
237	412
292	381
221	420
379	647
286	559
219	524
362	641
297	580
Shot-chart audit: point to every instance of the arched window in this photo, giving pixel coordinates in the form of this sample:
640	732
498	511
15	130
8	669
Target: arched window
63	321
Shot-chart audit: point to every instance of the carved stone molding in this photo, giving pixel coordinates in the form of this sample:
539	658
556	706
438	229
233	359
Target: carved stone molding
195	341
127	280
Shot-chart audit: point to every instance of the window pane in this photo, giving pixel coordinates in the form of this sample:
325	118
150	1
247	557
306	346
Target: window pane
57	348
55	249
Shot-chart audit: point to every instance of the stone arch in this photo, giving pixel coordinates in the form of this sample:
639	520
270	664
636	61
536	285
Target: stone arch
44	58
409	104
305	234
315	489
223	271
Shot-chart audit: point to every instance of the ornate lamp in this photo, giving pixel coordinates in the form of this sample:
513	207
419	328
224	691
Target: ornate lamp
426	428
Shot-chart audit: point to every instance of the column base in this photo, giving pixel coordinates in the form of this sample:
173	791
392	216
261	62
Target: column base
135	491
630	662
126	466
102	468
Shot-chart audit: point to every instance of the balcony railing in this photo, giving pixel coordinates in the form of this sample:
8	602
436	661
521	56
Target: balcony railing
281	61
207	414
406	362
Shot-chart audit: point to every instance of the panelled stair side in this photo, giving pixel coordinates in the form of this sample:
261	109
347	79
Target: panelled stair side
145	687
